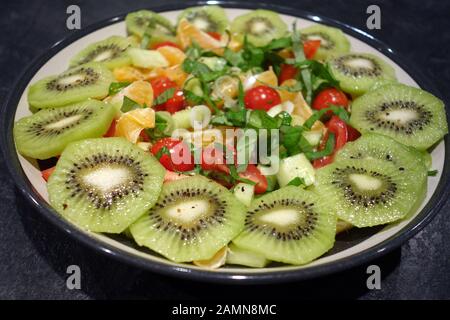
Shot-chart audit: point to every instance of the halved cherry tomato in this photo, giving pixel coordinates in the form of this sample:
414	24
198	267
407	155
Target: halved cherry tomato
165	43
261	98
47	173
330	96
215	35
111	131
288	71
214	159
174	104
177	149
252	173
310	48
342	134
161	84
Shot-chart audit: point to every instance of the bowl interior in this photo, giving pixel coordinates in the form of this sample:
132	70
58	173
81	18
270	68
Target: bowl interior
347	245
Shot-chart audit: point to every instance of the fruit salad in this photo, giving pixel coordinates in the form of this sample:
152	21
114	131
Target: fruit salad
215	142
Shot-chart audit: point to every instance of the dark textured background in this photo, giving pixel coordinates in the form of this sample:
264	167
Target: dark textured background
34	255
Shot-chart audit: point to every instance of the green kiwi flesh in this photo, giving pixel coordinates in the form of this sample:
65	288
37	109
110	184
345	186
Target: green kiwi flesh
368	192
332	40
409	115
289	225
358	72
260	26
145	21
193	219
104	184
90	80
206	18
111	52
46	133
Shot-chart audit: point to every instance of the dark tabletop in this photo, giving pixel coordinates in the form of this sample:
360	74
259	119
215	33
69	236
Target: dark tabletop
34	255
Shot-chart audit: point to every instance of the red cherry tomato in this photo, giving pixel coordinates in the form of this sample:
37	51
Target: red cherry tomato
330	96
47	173
215	35
165	43
342	134
261	98
180	158
111	131
288	71
174	104
310	48
161	84
252	173
214	159
339	128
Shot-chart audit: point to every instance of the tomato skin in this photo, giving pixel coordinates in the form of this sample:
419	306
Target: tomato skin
214	159
330	96
172	105
177	147
161	84
215	35
353	134
261	98
112	130
310	48
176	103
165	43
339	128
252	173
288	71
47	173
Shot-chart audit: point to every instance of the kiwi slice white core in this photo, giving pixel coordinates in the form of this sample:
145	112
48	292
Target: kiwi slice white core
81	77
281	217
64	122
258	26
324	42
360	63
365	182
105	55
106	178
189	211
400	116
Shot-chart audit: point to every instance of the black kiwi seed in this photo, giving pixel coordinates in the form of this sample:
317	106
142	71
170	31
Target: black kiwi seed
106	200
39	128
354	196
112	48
89	77
423	119
294	232
341	64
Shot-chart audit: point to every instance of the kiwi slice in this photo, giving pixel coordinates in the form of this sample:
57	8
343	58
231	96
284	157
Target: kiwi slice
90	80
145	21
409	115
242	257
104	184
193	219
259	26
289	225
206	18
46	133
358	72
111	52
332	40
373	145
368	192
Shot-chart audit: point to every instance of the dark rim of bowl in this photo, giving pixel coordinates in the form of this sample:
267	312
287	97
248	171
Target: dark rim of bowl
25	187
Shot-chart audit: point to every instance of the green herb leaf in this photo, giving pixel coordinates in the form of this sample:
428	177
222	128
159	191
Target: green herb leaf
164	150
115	87
432	173
278	44
129	105
163	97
337	110
297	181
236	177
329	147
